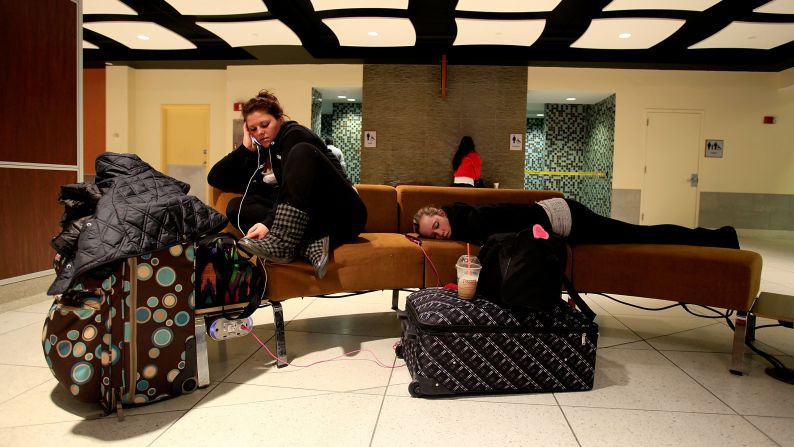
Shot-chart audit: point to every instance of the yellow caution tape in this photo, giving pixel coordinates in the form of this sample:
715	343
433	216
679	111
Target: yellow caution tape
575	173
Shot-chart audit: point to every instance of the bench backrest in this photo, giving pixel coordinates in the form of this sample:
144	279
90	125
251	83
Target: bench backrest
411	198
381	203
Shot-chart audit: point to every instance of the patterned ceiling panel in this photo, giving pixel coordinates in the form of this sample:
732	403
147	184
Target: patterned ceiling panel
741	35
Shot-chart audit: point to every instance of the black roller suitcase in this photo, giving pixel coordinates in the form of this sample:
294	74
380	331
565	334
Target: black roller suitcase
453	346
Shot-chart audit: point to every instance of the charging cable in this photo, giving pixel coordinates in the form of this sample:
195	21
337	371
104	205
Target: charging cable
250	180
345	355
418	243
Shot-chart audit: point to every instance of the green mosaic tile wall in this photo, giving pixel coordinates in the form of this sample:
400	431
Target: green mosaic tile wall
573	138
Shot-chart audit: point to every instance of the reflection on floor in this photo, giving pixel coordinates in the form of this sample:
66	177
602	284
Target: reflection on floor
662	379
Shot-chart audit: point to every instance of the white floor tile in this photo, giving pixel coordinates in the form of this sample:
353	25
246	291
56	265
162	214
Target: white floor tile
227	355
616	308
643	380
334	420
752	394
45	404
631	428
651	326
14	320
349	373
22	346
225	394
374	324
409	421
781	430
18	379
42	307
401	378
291	308
133	431
779	338
611	332
716	337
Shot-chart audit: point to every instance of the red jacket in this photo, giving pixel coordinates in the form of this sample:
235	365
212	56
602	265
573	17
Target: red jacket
469	166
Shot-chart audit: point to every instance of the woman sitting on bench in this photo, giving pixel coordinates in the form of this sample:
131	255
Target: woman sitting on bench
564	217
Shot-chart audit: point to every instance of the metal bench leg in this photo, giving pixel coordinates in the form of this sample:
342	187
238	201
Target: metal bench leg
739	334
750	327
281	340
395	299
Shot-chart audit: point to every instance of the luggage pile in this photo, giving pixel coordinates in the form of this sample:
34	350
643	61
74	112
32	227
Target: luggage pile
122	330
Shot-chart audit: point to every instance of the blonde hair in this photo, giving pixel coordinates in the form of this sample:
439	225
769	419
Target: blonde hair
429	210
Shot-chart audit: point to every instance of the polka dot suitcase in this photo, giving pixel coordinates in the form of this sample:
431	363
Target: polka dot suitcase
127	338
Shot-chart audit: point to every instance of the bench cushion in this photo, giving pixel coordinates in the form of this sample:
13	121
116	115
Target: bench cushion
374	261
720	277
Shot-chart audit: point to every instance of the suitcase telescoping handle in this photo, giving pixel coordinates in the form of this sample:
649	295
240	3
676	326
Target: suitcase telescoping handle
578	299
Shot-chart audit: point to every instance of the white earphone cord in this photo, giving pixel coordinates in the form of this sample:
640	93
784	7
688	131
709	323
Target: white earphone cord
240	209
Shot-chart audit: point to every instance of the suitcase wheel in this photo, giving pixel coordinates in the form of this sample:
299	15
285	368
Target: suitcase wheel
414	389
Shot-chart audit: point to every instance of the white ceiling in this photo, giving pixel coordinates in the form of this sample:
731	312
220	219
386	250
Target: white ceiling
259	32
644	33
372	31
507	5
685	5
537	98
331	96
498	32
217	8
141	35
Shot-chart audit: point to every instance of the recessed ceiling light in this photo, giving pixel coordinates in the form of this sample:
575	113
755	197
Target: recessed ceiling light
341	96
372	33
538	114
143	37
392	31
624	35
570	99
128	34
351	99
253	33
498	32
108	63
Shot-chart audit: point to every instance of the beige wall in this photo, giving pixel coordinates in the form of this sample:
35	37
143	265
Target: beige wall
758	157
135	97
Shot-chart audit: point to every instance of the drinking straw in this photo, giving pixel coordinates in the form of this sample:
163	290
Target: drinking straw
468	258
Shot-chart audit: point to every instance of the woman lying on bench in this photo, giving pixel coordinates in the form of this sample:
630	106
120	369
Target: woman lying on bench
564	217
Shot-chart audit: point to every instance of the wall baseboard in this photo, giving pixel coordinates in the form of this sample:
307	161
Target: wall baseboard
766	234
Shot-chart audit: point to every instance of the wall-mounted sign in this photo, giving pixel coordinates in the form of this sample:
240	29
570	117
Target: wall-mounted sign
370	138
714	148
516	141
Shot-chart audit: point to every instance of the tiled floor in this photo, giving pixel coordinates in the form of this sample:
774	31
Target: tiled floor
662	379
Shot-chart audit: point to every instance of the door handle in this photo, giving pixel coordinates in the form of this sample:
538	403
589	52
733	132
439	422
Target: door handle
693	180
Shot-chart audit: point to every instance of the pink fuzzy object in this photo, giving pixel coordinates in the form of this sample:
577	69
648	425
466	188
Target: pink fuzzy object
539	232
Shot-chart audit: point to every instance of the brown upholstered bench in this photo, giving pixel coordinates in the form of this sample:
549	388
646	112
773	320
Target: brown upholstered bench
382	258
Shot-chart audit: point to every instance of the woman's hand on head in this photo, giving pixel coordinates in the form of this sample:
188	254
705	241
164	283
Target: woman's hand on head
258	231
247	141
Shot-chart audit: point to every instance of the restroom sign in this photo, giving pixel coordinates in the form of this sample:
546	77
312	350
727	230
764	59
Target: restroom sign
370	138
516	142
714	148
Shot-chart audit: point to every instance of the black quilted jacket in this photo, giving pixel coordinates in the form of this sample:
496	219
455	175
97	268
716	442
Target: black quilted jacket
141	210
